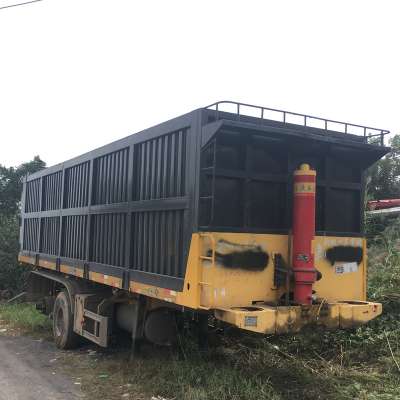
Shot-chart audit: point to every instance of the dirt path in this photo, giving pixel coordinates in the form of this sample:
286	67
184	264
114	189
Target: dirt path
29	371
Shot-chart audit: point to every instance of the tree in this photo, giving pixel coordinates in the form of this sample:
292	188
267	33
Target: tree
11	184
11	273
384	176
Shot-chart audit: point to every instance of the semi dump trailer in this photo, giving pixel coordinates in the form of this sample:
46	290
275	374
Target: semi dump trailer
249	214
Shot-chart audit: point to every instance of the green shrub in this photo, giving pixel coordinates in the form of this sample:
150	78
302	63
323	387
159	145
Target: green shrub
24	316
12	274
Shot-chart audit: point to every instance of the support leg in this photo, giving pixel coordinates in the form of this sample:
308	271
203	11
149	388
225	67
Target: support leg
202	332
135	325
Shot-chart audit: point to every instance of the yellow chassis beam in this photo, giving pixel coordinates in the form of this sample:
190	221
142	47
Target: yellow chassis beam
284	319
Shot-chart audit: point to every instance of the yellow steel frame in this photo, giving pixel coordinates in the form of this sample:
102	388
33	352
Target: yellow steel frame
249	299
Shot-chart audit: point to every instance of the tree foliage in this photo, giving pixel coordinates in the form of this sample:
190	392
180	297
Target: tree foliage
384	176
11	273
11	184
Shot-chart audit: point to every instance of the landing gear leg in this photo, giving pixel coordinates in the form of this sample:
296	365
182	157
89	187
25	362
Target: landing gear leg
135	325
202	332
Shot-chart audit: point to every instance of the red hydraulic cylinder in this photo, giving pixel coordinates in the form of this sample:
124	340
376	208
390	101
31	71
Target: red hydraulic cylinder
303	231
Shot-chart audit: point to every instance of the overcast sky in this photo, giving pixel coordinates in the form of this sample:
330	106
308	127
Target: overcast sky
77	74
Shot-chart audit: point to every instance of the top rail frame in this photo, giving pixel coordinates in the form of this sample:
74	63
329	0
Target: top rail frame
368	132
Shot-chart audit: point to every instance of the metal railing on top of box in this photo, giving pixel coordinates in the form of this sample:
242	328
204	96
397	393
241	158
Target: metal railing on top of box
372	135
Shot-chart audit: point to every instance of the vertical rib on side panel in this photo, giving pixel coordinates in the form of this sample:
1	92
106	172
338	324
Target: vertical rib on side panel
108	236
52	191
31	232
160	167
111	178
77	186
50	234
32	202
74	236
158	241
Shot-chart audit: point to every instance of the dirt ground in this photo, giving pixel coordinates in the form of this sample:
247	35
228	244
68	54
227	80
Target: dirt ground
30	370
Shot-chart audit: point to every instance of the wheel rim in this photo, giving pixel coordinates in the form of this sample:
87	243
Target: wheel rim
59	325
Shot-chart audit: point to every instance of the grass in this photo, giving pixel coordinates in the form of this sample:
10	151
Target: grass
312	365
245	367
24	316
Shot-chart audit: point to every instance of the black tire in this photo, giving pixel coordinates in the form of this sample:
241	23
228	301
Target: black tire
63	323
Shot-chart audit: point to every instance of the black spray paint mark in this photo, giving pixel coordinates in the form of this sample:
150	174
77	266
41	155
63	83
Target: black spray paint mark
345	254
247	257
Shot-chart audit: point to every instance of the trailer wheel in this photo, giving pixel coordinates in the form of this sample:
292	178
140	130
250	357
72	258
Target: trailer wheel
63	323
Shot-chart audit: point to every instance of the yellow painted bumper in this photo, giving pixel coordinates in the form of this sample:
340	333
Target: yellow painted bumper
284	319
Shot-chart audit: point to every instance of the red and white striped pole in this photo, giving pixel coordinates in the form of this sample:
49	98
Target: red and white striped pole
303	234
